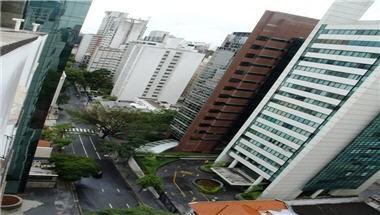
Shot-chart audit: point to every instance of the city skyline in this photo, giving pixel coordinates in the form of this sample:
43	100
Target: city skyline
209	17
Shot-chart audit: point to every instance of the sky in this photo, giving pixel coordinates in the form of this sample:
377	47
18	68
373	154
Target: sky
207	20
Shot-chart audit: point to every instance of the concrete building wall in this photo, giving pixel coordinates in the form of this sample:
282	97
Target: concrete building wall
83	47
178	80
20	63
153	70
136	75
106	58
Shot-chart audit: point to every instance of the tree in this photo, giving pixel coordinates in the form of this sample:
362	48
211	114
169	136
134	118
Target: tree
141	210
110	121
57	134
99	80
73	168
76	75
150	181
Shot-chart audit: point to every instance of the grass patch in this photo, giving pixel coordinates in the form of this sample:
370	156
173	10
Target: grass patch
253	194
207	167
150	163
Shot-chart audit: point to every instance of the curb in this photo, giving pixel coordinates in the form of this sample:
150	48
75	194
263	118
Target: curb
76	200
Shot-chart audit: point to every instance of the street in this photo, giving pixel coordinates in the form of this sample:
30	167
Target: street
109	191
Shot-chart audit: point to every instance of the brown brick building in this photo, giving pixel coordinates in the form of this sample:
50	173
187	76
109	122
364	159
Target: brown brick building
269	48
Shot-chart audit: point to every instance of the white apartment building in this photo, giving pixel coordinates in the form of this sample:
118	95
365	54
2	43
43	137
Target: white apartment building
83	47
156	70
19	54
314	114
106	58
107	47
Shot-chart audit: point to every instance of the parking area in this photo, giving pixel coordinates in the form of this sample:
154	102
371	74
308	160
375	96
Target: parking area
177	183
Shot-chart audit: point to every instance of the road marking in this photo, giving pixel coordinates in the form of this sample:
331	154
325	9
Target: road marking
83	145
102	190
93	145
174	178
109	204
72	147
127	205
118	190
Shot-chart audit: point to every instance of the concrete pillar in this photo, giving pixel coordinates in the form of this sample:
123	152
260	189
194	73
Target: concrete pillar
35	27
18	23
233	164
257	182
316	193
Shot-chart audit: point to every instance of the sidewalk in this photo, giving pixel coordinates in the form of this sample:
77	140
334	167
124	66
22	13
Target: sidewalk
145	197
38	201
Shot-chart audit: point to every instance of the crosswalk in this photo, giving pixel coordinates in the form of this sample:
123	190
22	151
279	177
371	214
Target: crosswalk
81	130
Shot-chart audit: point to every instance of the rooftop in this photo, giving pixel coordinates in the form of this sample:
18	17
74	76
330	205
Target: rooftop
158	146
264	207
43	143
233	176
11	39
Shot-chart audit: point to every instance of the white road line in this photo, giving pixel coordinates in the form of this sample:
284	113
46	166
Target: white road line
81	130
77	129
93	145
117	189
127	205
102	190
72	147
83	145
109	204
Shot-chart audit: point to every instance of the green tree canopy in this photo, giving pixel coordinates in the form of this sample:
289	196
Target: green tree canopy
135	124
73	168
57	134
150	181
141	210
99	80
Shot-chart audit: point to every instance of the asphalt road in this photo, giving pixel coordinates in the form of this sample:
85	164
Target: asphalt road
109	191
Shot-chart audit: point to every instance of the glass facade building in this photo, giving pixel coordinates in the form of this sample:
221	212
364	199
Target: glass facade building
352	167
62	21
334	73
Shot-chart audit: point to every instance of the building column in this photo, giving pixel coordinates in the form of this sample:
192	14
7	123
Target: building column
258	181
233	164
316	193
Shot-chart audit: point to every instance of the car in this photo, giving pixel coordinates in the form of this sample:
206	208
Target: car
98	174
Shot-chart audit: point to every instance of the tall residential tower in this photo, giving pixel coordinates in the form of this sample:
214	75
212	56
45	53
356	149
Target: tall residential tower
267	51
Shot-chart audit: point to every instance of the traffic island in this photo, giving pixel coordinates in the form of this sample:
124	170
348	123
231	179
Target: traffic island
209	186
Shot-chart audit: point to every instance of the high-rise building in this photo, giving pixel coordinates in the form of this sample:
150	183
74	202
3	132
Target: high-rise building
62	21
267	51
108	45
156	70
317	129
19	52
204	84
